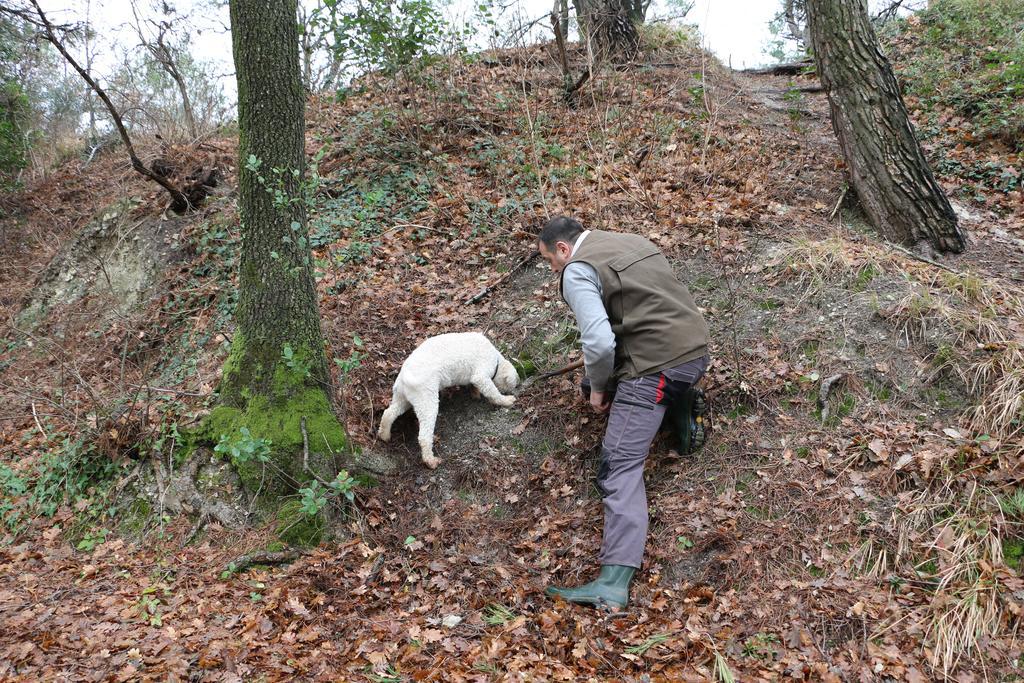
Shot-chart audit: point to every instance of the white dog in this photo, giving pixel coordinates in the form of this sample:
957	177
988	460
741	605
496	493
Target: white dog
446	360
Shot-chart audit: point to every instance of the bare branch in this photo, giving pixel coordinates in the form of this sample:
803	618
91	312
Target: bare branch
179	203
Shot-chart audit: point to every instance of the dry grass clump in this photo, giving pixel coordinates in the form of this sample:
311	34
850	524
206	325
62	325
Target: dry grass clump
948	542
981	325
817	263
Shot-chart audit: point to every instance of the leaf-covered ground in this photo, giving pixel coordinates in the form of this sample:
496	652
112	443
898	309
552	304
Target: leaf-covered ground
855	516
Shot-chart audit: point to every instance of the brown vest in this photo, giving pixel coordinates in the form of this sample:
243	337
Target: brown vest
655	322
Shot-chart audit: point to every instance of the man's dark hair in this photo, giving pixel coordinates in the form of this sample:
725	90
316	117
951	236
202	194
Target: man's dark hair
560	229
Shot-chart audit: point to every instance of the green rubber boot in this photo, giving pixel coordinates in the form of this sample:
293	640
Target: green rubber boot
609	591
687	419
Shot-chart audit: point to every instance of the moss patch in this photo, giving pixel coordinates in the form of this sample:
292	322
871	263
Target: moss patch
295	527
1013	550
276	417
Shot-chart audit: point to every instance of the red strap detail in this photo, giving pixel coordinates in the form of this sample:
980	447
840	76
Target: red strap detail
661	386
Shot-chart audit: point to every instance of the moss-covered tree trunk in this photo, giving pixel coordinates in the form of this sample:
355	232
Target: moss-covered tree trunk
276	377
888	170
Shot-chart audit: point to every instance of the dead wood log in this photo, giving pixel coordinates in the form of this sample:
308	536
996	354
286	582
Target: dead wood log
786	69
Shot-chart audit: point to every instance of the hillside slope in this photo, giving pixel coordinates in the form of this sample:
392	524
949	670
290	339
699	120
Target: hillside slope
856	514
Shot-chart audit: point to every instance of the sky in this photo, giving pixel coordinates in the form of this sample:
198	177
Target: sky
736	31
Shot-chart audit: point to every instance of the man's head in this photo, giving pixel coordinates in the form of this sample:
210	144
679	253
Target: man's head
555	241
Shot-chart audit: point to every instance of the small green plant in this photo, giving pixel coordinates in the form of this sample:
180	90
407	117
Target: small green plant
298	363
795	99
1012	504
683	543
390	675
314	498
722	671
760	646
243	447
149	607
92	538
354	360
497	615
643	647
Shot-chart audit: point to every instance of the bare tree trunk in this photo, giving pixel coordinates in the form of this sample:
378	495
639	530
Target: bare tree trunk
179	202
166	59
305	48
609	29
90	98
795	12
562	11
888	170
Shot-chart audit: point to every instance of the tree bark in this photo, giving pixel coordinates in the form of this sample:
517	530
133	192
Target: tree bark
888	170
609	28
276	374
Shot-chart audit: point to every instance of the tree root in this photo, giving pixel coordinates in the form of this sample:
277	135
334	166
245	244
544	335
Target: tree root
183	495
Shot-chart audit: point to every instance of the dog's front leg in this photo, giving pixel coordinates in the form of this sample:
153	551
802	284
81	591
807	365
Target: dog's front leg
485	385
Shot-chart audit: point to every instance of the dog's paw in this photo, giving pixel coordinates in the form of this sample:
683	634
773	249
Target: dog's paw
431	462
506	401
384	435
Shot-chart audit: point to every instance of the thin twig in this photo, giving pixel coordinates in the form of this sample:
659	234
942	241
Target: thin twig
490	288
164	390
923	259
839	203
38	424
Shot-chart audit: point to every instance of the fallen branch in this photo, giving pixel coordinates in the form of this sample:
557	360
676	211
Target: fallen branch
786	69
575	365
842	196
262	557
512	271
923	259
35	415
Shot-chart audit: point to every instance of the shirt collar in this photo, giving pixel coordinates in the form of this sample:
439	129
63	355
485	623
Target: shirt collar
579	241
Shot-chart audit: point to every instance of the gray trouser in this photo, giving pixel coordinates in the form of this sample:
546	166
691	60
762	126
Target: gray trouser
636	413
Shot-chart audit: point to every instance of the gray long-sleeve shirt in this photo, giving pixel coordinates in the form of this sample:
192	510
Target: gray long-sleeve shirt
581	288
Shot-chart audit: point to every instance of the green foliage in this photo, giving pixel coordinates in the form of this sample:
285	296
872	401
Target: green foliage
296	527
68	474
93	538
354	360
497	615
643	647
314	498
966	56
760	646
298	363
71	473
390	35
243	447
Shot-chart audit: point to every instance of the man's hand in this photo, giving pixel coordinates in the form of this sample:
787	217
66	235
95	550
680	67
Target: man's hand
598	402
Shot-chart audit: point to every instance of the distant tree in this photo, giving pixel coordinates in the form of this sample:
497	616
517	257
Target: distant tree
14	105
57	35
888	170
275	385
157	37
